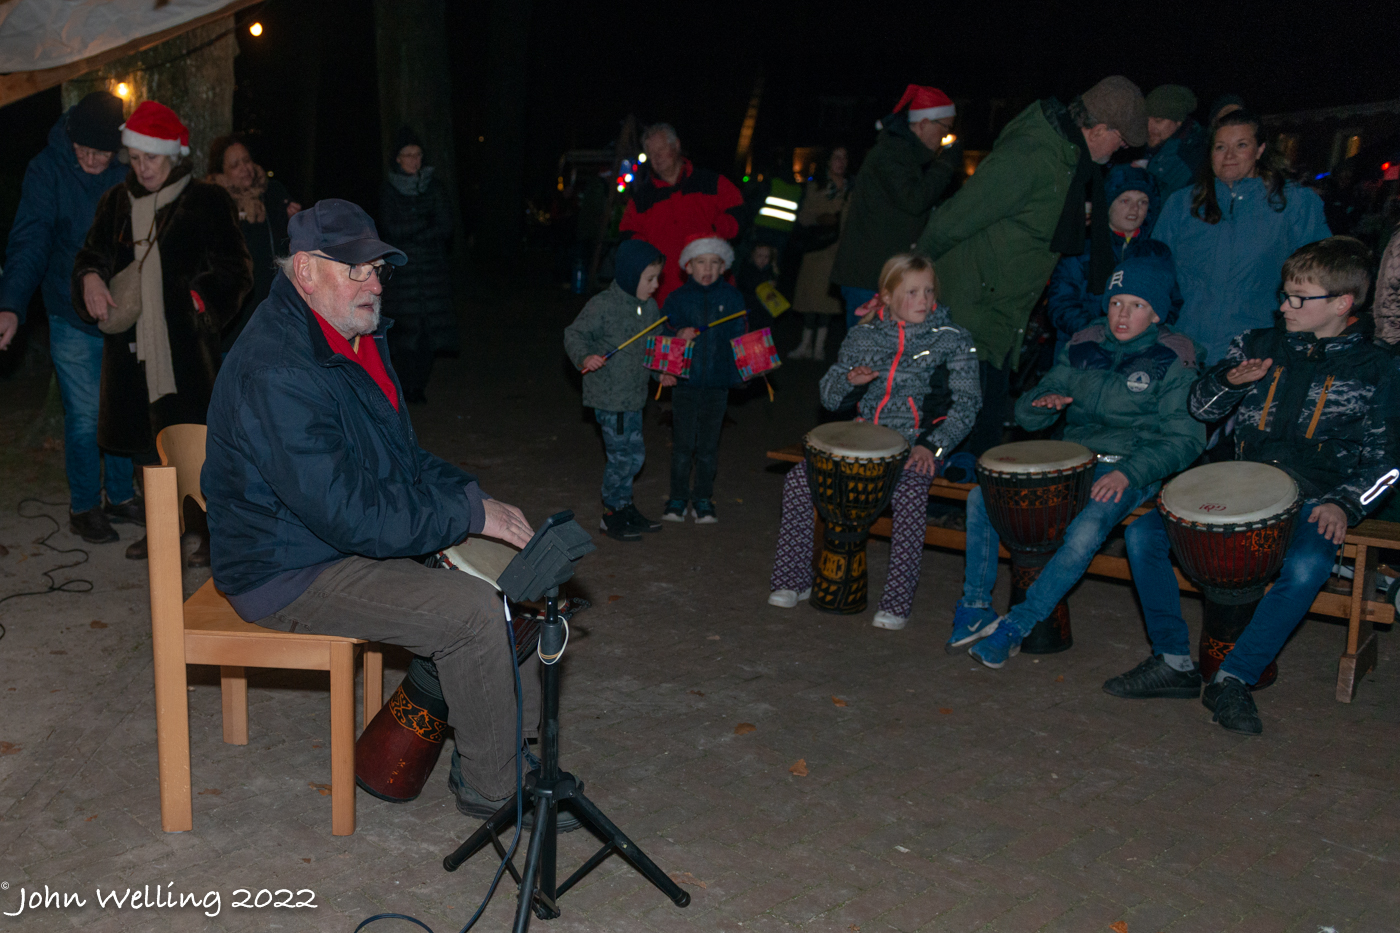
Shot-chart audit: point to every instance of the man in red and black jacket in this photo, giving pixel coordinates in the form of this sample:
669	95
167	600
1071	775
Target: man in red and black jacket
676	201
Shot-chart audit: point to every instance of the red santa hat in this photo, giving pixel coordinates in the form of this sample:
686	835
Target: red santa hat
701	243
925	103
156	129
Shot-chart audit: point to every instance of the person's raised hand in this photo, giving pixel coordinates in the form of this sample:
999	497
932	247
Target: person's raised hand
922	461
593	362
668	380
1248	371
1109	487
506	523
293	208
96	298
860	375
9	325
1057	402
1331	522
688	333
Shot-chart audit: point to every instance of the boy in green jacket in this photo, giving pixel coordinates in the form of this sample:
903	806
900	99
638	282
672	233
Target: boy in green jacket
616	387
1123	384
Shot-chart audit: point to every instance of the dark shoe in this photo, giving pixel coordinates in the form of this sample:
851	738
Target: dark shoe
137	551
200	556
704	512
638	520
674	510
1233	706
92	526
616	524
132	511
471	804
1155	678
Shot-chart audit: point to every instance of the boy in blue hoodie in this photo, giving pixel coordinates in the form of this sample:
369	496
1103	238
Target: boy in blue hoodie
699	401
616	388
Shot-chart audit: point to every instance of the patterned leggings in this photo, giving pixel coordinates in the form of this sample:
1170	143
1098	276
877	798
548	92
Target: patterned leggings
792	565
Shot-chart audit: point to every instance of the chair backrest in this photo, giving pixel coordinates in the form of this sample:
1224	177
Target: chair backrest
182	446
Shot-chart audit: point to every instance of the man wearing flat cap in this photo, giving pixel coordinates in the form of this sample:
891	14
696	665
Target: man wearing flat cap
997	240
1176	144
319	495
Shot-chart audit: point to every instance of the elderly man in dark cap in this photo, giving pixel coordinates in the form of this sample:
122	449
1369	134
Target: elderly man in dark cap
57	202
997	240
319	495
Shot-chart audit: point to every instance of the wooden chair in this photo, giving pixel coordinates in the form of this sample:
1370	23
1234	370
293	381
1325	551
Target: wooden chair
206	630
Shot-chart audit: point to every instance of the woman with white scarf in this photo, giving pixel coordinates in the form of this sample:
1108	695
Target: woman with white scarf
163	269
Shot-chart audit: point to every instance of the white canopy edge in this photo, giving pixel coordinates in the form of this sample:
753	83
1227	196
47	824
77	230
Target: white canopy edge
40	34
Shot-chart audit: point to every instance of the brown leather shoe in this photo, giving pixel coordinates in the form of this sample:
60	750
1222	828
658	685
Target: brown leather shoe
92	526
137	551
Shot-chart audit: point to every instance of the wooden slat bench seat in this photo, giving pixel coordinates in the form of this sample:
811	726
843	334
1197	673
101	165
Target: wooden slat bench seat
1344	601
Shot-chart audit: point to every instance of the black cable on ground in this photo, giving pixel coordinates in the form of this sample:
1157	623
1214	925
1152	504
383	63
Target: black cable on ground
76	585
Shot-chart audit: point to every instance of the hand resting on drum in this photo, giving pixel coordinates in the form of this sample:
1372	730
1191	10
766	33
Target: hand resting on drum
668	380
1109	487
506	523
1331	522
1248	371
923	461
1057	402
860	375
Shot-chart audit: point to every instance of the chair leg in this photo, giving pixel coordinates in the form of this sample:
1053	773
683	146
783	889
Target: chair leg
168	651
342	664
374	682
233	684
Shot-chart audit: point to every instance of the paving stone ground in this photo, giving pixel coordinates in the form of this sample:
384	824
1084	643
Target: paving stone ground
941	796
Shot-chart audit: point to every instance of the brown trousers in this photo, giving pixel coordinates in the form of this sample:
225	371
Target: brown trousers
453	618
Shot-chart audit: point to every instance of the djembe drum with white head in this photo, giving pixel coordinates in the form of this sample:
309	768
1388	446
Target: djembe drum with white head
1032	490
852	468
1230	525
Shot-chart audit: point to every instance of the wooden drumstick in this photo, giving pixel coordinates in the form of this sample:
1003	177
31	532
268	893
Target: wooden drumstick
637	336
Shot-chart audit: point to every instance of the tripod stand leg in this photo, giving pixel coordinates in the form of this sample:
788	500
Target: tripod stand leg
629	850
478	840
538	835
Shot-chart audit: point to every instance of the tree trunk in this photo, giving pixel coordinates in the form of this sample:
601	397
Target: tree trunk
191	74
502	224
414	87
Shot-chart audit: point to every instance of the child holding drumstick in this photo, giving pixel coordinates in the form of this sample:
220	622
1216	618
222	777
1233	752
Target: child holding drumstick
891	367
615	387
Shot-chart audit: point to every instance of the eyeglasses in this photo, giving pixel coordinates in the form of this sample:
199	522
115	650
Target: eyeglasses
361	271
1296	301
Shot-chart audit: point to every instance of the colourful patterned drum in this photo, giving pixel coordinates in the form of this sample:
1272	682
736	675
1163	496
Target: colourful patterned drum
1230	525
852	467
755	354
670	355
1032	491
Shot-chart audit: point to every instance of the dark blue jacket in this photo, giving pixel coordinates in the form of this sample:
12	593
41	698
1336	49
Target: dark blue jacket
693	305
56	207
308	463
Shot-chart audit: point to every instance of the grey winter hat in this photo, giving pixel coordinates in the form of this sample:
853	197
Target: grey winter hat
95	122
1171	102
1118	102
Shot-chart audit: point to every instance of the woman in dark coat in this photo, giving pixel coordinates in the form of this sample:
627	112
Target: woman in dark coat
264	207
160	369
415	215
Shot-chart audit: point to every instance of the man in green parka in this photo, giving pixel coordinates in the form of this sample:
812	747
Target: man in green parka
997	240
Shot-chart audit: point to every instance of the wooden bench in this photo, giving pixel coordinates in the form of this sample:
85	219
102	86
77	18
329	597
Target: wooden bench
1363	545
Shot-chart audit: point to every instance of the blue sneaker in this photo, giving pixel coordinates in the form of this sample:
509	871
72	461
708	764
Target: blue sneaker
969	624
1001	644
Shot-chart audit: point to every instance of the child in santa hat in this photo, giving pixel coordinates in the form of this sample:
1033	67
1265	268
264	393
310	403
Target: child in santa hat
699	401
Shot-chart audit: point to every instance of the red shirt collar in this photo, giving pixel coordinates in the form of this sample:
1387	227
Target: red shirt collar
366	354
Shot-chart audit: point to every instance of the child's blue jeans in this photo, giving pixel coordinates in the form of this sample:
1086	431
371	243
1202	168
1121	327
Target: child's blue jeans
622	439
1306	566
1083	539
697	415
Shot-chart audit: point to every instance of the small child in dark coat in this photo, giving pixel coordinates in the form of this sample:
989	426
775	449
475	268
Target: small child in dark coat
699	402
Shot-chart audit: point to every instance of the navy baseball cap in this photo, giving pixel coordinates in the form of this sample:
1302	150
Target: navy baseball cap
341	230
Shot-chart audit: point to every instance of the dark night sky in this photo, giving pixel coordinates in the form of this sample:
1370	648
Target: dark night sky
693	66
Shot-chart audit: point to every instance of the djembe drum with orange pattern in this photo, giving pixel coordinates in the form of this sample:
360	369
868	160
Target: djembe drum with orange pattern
852	468
1032	491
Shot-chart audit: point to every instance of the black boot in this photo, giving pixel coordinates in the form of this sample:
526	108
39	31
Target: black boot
92	526
132	511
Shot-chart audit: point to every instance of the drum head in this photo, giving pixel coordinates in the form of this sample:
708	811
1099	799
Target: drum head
1230	493
481	557
859	439
1035	457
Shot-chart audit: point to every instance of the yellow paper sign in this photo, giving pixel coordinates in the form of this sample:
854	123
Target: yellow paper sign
772	299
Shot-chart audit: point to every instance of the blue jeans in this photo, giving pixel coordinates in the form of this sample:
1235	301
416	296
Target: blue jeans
622	439
1083	539
1306	566
854	298
77	361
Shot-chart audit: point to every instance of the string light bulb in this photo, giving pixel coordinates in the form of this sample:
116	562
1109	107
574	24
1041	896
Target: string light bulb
949	139
255	30
642	157
123	90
